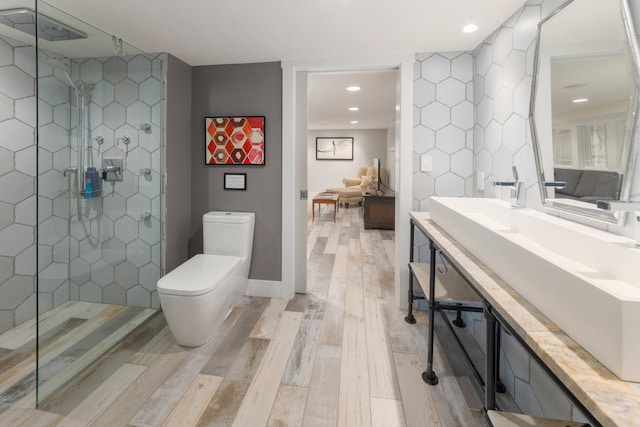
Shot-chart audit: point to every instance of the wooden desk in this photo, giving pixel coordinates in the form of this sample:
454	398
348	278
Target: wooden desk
327	199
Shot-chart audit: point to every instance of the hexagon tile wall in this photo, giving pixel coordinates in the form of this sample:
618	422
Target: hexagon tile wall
17	183
113	256
503	70
117	260
442	126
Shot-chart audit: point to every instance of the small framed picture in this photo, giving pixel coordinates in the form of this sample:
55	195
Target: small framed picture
235	181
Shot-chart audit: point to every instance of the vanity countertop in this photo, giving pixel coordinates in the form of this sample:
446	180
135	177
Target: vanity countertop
610	400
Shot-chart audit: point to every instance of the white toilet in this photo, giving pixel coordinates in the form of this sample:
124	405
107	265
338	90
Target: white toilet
198	295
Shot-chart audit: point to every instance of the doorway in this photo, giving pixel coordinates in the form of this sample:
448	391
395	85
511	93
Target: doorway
294	182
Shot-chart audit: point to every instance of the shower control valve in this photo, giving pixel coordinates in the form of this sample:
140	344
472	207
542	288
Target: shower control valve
145	216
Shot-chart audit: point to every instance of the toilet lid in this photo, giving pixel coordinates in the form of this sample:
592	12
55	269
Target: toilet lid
199	275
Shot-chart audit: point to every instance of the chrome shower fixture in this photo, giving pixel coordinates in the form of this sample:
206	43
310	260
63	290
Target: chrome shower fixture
146	127
25	20
118	46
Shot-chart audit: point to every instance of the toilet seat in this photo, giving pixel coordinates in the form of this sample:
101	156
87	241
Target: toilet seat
199	275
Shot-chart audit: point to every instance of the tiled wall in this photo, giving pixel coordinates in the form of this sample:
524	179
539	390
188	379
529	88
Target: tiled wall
112	255
17	183
443	126
116	255
502	92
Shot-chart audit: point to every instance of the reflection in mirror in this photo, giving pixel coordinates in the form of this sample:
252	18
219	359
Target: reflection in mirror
584	99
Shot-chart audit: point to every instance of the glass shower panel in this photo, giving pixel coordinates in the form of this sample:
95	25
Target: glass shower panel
99	189
54	177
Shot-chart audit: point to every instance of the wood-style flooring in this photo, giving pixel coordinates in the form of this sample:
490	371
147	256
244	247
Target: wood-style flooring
340	355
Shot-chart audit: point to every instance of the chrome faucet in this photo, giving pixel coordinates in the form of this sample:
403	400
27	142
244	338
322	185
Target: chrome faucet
620	206
111	169
517	187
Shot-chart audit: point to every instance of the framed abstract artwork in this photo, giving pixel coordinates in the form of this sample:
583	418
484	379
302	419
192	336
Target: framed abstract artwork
334	148
234	140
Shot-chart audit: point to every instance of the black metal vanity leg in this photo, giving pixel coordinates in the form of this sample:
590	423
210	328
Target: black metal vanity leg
459	321
429	376
410	318
500	388
490	366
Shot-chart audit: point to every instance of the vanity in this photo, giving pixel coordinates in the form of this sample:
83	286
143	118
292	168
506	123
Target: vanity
506	257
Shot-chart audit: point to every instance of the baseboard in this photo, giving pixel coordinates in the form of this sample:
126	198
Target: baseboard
264	288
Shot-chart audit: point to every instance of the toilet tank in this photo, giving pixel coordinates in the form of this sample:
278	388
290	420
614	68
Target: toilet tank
228	233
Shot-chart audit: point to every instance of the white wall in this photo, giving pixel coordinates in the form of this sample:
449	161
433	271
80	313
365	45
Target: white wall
323	174
390	164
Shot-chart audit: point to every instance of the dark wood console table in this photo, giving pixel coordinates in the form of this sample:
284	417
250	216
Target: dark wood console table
380	211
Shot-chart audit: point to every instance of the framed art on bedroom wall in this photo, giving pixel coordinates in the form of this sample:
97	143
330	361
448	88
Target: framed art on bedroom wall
334	148
234	140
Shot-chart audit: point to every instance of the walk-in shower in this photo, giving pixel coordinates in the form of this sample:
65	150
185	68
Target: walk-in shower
86	250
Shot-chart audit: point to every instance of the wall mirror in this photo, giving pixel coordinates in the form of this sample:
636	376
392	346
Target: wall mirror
583	106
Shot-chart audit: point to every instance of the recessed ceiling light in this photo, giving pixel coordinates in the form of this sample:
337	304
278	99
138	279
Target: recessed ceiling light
579	100
470	28
353	108
353	88
354	122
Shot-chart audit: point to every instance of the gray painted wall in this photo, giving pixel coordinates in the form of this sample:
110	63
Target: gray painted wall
247	90
178	162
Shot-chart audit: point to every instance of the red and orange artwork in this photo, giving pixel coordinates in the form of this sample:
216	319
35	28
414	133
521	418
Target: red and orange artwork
234	140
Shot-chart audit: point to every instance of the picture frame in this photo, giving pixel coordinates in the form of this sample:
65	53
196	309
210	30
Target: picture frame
234	140
235	181
334	148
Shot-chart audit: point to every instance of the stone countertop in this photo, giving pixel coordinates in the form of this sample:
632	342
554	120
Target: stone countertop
611	401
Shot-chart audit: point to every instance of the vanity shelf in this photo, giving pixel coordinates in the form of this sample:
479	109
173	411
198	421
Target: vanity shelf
455	290
508	419
602	397
445	288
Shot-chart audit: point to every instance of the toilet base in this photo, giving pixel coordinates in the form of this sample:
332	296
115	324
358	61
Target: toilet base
194	320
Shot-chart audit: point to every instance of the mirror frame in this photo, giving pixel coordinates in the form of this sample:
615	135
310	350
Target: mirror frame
590	212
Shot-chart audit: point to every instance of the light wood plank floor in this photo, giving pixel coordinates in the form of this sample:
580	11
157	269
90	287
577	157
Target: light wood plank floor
341	355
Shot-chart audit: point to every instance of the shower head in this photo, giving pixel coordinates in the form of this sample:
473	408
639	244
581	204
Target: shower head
61	66
25	20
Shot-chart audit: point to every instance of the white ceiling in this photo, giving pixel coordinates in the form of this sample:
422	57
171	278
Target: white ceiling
329	101
205	32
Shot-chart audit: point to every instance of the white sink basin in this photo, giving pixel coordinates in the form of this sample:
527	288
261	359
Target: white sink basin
584	280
